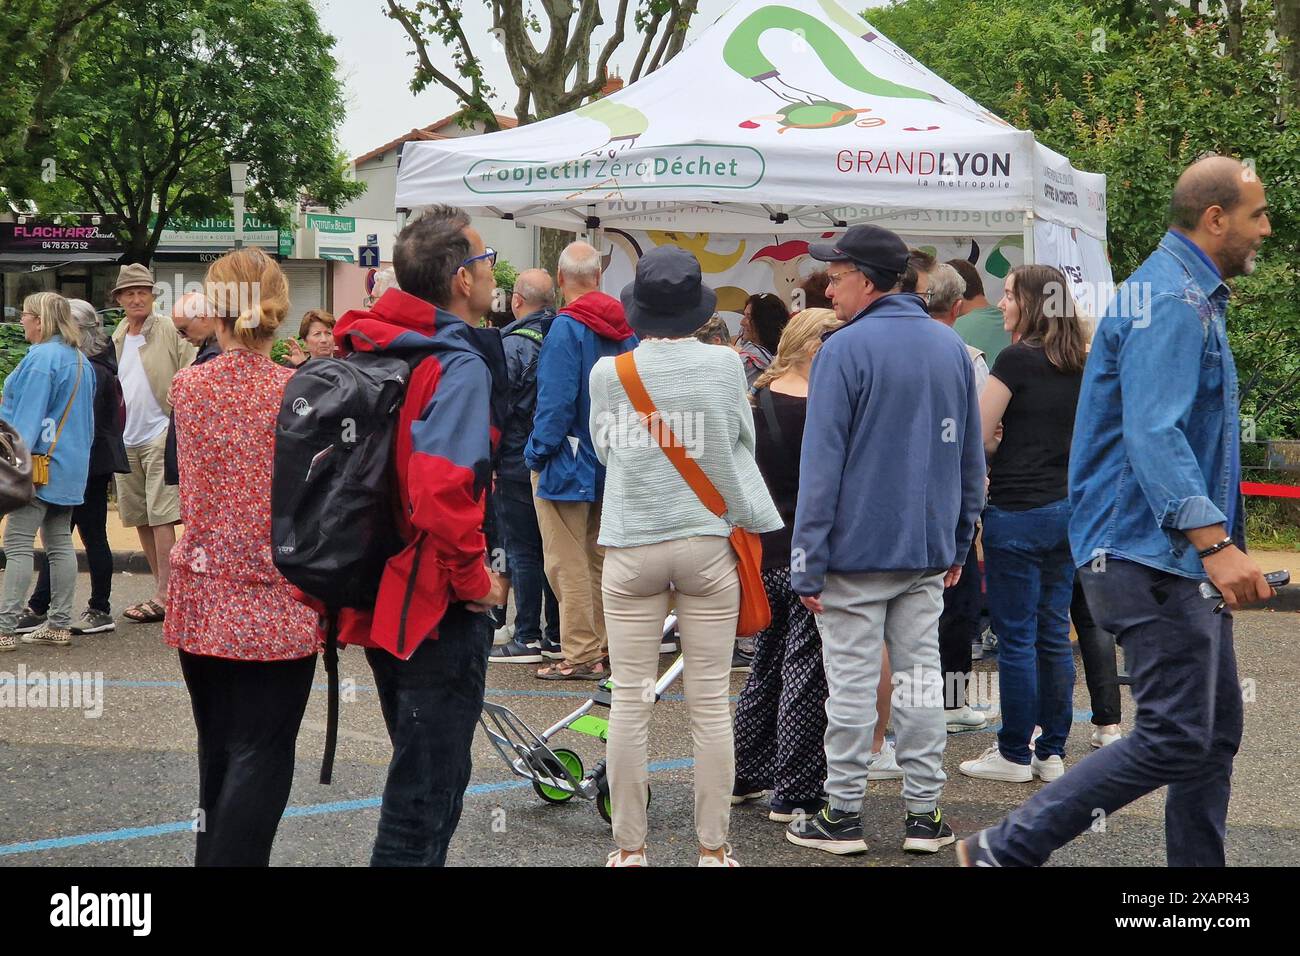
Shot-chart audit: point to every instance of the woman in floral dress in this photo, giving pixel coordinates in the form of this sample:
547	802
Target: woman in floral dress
247	648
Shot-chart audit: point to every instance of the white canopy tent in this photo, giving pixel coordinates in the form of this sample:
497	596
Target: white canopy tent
784	119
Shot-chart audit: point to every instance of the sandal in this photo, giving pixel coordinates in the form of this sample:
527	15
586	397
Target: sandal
146	612
567	670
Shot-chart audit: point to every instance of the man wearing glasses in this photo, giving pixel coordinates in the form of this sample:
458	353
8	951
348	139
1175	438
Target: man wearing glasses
429	633
891	482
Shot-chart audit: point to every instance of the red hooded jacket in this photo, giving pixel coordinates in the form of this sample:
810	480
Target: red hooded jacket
448	429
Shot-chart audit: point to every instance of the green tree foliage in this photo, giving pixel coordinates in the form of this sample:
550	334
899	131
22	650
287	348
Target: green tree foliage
1138	97
38	39
167	94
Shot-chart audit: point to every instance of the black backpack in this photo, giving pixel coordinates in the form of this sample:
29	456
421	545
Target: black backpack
334	491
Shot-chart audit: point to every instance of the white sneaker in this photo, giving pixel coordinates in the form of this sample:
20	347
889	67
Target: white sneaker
991	765
632	859
1047	770
1105	736
503	635
884	765
964	718
727	858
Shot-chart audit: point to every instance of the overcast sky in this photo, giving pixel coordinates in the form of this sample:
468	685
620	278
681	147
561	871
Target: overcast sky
375	65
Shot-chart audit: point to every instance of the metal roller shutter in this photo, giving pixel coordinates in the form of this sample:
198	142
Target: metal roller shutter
306	292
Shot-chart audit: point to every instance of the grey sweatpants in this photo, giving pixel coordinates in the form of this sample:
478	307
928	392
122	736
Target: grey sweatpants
901	609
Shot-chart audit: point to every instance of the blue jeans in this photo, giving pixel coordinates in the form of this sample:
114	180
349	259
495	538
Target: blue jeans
431	704
1030	581
517	528
1188	725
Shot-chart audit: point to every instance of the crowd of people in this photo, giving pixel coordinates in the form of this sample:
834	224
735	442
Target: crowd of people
868	438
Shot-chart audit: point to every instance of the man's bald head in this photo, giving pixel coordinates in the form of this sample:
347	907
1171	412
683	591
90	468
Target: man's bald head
1218	202
193	317
579	270
533	292
1211	181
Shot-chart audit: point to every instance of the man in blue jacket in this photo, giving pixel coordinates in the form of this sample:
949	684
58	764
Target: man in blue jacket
568	480
1155	485
891	481
533	305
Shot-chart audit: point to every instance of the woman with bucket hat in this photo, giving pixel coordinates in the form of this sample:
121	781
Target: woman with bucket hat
664	543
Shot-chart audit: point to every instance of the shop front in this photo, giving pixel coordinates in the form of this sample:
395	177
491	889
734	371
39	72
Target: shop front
76	257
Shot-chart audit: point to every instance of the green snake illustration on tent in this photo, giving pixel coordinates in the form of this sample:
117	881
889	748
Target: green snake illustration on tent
625	124
805	109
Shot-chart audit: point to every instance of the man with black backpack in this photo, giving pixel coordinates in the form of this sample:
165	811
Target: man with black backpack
428	632
533	306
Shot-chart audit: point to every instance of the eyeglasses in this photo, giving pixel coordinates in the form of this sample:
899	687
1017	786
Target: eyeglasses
833	278
924	295
490	255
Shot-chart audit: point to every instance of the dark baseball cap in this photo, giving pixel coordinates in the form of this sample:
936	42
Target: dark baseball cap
866	245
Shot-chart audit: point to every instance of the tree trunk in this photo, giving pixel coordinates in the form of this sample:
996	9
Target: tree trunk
1288	28
551	243
1232	45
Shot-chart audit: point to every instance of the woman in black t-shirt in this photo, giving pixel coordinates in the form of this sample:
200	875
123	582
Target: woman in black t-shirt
781	717
1032	393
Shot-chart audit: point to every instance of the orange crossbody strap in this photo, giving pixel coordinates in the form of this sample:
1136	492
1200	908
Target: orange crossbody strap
689	469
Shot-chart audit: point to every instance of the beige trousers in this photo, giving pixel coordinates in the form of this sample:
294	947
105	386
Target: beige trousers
573	561
707	595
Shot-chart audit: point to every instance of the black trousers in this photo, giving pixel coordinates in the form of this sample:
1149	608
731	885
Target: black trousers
90	518
1097	649
247	714
431	704
959	628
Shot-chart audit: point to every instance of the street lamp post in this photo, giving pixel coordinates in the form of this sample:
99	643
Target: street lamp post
238	185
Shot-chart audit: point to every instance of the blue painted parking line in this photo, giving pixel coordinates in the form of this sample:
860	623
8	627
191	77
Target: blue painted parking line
311	810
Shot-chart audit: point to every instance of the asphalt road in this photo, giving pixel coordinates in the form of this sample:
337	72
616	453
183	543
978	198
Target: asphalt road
120	788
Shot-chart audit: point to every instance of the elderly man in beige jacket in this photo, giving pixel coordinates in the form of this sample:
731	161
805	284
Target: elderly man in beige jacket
149	353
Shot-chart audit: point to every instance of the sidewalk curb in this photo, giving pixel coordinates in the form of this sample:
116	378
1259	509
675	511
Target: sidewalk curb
132	562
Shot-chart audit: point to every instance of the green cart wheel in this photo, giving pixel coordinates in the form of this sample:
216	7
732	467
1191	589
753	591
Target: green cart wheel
605	806
568	760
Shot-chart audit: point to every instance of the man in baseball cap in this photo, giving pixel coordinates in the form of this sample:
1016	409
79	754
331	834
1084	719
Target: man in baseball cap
878	254
891	481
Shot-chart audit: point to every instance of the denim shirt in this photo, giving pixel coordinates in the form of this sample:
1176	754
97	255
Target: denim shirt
1155	438
36	394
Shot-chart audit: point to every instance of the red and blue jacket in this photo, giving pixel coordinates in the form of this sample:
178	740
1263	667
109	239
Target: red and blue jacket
448	431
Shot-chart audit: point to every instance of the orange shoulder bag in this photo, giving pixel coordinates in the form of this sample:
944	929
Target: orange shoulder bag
755	614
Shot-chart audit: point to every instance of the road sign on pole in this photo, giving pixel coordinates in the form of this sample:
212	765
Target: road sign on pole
368	257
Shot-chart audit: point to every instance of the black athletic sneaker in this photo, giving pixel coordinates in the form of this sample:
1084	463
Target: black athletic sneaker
741	663
28	621
784	811
513	652
927	832
831	831
551	650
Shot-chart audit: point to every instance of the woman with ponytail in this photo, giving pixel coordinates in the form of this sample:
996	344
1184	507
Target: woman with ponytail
247	648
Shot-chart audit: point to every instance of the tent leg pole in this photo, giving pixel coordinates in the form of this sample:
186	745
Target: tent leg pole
1029	238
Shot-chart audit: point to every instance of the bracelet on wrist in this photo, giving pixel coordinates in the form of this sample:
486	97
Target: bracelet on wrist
1215	548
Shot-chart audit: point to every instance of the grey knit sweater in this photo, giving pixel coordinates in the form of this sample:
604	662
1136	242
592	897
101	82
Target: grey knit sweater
701	392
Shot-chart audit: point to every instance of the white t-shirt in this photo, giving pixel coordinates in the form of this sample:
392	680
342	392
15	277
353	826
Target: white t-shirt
145	420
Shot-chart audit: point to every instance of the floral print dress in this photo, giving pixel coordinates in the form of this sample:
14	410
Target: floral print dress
226	598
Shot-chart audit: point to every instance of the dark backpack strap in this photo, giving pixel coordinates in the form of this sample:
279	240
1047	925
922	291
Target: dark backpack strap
769	413
332	695
532	334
